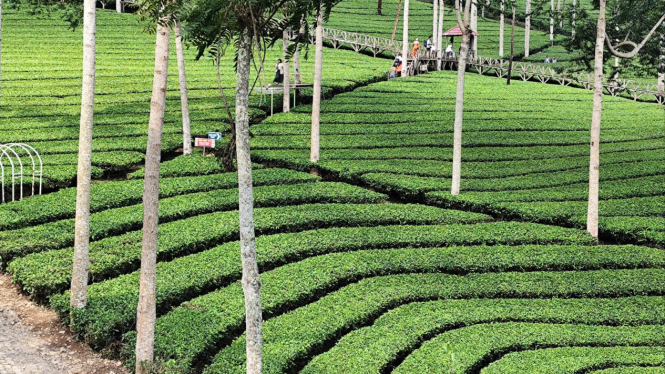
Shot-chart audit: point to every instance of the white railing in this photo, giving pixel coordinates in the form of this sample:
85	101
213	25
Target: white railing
525	70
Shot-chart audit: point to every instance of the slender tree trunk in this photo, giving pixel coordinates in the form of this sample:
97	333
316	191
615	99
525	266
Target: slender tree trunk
405	39
435	20
572	21
551	22
1	44
459	113
501	21
558	13
251	282
661	64
594	159
146	310
512	45
527	28
182	76
399	9
474	26
316	99
615	76
439	50
286	101
378	7
297	79
78	294
118	6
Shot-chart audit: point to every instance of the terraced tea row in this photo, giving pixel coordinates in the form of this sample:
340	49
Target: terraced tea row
41	97
511	170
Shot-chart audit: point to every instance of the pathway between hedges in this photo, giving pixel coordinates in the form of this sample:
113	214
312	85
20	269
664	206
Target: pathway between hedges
33	341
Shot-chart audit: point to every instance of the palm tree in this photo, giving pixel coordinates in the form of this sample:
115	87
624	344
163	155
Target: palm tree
146	310
78	294
184	102
464	25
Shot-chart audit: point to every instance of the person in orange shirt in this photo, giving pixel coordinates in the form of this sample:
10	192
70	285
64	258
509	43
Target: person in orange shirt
416	47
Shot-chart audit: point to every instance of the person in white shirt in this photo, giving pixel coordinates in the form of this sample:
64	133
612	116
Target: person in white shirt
449	51
433	51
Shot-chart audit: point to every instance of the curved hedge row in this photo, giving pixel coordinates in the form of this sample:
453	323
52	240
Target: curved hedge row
476	346
62	204
189	276
577	359
393	336
291	339
60	234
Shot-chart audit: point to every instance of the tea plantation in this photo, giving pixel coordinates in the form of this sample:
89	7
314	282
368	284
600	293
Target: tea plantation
368	264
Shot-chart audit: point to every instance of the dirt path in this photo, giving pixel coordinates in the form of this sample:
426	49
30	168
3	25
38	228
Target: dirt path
32	340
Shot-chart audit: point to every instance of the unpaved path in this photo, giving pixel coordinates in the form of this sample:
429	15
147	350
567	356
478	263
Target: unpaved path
32	340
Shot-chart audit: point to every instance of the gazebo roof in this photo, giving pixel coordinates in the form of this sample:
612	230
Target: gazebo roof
456	31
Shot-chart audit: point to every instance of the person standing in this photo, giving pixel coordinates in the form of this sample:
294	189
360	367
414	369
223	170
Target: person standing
392	73
416	47
428	46
279	72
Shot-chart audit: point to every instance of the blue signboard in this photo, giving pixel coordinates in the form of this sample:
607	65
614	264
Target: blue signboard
215	135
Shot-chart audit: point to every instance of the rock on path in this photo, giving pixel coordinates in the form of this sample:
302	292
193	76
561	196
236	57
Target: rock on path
32	340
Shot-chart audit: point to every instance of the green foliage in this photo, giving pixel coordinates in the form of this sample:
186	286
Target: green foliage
41	95
525	152
475	344
60	234
190	276
186	165
402	330
62	204
579	359
292	337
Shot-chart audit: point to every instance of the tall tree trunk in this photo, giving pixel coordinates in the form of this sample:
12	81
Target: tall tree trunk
558	13
512	45
459	113
78	294
316	99
378	7
118	6
251	282
1	44
399	9
146	310
474	26
286	101
615	76
551	22
501	21
572	20
182	77
594	159
661	64
297	78
527	28
435	20
405	38
439	50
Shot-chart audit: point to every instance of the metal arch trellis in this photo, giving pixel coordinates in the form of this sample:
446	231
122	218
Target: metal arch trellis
8	150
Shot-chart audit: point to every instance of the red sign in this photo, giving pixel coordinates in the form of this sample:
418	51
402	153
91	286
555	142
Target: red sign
204	142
